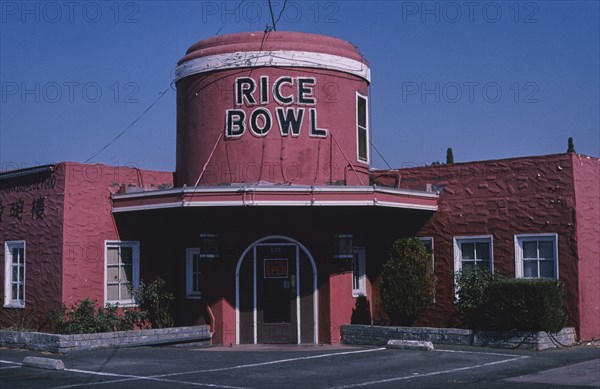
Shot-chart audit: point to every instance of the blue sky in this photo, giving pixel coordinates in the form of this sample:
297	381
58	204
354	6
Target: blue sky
491	79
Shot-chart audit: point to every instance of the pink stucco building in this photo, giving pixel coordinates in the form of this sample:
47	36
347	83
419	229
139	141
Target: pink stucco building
274	223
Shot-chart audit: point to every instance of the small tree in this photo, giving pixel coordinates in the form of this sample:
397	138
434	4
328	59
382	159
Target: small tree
471	285
449	156
570	146
154	299
407	282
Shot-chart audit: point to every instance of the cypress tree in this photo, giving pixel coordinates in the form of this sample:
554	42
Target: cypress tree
449	156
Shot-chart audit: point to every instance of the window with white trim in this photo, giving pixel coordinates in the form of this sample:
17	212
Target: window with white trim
193	277
14	274
473	251
536	256
362	128
122	271
428	242
359	278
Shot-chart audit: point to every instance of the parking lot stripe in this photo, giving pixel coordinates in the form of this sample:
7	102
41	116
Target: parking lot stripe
420	375
271	362
162	377
127	378
10	362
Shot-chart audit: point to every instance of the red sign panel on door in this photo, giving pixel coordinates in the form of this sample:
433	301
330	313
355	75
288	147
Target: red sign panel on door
276	268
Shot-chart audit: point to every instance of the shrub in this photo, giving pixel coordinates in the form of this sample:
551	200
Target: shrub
471	285
524	304
154	299
407	282
86	318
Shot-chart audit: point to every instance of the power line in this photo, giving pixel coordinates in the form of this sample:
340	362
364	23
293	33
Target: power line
380	155
128	127
234	11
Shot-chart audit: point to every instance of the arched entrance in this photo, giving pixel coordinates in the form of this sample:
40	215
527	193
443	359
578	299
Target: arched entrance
276	293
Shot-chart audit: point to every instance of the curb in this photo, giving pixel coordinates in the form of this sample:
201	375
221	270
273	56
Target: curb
43	363
409	344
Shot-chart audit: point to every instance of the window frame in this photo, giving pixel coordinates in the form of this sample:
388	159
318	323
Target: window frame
459	240
360	158
189	270
518	241
135	269
359	252
9	301
429	239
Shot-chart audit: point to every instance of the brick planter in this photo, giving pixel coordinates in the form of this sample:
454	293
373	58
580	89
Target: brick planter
379	336
68	343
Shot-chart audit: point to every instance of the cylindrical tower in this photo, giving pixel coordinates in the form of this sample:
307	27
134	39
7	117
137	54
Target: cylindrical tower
275	107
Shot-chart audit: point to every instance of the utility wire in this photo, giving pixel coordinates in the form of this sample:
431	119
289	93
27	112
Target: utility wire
280	13
129	126
272	17
234	11
380	155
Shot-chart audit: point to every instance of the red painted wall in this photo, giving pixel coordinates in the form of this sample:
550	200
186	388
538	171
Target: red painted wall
42	234
203	99
65	246
516	196
88	222
587	199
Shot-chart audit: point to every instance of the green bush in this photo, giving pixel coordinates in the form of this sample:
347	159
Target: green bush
524	304
154	299
492	302
86	318
407	282
471	286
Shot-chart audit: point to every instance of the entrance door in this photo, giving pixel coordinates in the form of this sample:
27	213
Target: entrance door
276	291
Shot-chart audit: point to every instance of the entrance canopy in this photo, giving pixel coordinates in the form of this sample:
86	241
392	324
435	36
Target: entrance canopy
275	195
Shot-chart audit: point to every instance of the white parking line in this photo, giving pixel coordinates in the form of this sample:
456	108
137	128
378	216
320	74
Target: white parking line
419	375
162	377
272	362
10	362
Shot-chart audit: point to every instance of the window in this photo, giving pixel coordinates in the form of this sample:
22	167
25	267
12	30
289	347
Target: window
428	242
342	246
471	251
359	285
14	274
193	273
122	271
362	128
536	256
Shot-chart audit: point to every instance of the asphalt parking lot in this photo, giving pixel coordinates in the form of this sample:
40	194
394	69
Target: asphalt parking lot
264	366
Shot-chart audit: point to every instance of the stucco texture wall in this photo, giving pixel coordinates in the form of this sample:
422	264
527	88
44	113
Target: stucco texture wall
587	198
31	210
88	222
502	198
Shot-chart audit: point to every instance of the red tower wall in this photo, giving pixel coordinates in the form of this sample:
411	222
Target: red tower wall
323	93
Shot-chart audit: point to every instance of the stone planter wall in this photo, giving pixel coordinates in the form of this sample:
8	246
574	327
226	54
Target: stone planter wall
379	336
68	343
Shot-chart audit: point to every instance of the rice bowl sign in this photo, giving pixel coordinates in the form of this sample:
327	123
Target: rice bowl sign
285	91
